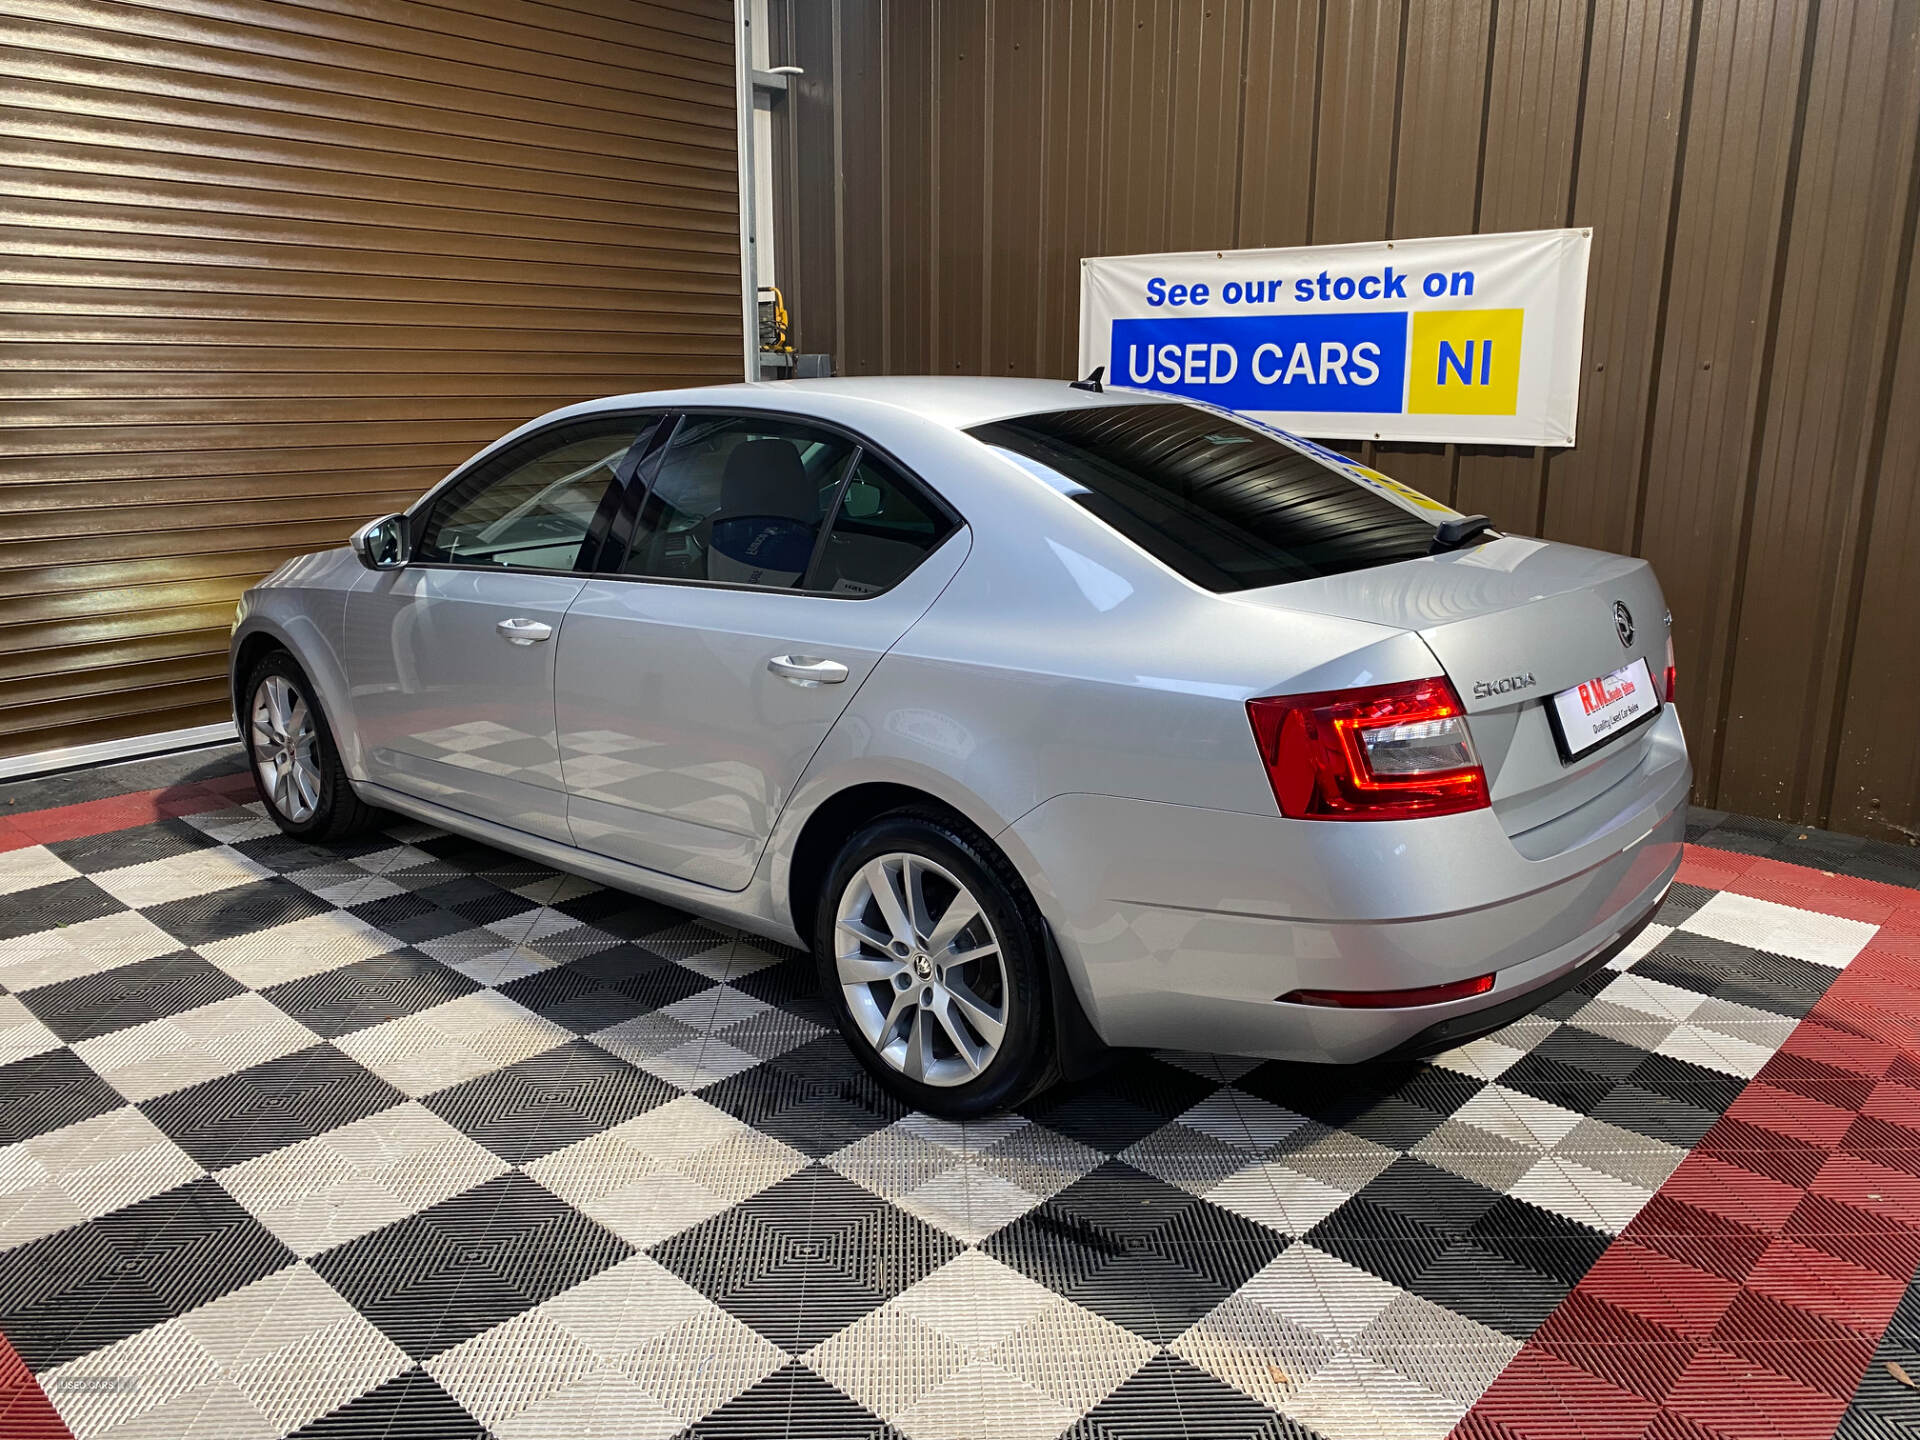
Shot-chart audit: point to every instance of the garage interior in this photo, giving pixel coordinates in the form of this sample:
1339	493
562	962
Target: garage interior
415	1137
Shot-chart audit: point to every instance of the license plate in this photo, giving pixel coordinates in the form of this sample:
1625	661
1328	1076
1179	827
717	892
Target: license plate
1594	712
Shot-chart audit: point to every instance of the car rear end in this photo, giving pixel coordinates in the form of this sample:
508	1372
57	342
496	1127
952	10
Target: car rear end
1421	857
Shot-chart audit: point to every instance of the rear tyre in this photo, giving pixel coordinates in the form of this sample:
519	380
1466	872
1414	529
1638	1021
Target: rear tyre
932	957
296	766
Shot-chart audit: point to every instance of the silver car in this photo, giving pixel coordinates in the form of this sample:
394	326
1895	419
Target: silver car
1046	718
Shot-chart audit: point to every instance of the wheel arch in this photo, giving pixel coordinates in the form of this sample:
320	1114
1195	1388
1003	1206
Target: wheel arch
808	853
275	623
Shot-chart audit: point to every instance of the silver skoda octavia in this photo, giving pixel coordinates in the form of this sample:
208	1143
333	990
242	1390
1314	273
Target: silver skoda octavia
1044	718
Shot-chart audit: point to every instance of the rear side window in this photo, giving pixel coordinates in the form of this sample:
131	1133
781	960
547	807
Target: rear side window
1228	506
880	533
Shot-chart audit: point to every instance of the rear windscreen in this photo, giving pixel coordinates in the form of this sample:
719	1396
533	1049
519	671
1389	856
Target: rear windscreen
1228	506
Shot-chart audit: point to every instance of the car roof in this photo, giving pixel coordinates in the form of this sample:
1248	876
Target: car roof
956	401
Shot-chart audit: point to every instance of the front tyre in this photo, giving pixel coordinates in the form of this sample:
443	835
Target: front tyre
296	766
932	957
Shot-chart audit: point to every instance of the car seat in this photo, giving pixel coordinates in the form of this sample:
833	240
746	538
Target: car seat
768	519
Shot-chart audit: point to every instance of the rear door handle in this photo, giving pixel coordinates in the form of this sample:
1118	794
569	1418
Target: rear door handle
807	669
522	631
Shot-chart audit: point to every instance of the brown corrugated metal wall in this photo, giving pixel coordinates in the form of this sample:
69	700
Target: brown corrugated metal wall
271	267
1750	416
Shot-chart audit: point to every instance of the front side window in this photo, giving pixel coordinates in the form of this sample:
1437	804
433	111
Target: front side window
531	507
1228	506
738	499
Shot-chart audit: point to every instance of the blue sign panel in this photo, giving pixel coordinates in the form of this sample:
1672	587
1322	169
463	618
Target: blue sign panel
1340	362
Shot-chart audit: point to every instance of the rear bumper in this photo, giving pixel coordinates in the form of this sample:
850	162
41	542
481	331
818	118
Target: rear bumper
1180	926
1470	1025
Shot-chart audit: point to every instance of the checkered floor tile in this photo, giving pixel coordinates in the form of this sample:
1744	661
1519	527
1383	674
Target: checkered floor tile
415	1137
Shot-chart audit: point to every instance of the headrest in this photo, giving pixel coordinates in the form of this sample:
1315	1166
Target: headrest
765	477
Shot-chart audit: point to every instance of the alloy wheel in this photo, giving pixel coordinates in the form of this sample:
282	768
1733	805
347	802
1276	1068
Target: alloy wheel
921	969
284	740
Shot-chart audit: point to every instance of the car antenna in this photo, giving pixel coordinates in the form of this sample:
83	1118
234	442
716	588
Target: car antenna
1452	534
1092	382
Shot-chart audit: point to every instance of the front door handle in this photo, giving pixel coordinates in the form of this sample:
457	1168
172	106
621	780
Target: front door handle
522	631
807	670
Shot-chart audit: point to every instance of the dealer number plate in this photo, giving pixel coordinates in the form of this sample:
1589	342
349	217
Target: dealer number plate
1588	715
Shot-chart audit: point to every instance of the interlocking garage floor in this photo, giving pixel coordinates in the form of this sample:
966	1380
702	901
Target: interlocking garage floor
416	1138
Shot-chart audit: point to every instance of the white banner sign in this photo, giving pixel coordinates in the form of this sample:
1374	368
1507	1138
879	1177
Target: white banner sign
1475	338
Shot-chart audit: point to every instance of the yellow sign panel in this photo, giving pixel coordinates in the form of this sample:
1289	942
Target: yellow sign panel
1465	362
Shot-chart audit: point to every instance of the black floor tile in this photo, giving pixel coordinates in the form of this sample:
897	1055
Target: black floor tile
1682	900
627	916
1168	1397
1484	1285
1558	1083
550	1100
468	1263
1140	1252
793	1401
283	854
49	1091
1396	1105
1690	1084
411	1406
1126	1102
1388	1243
1633	1107
412	920
241	910
807	1257
369	992
815	1098
110	1000
478	902
117	849
49	792
50	907
101	1281
281	1102
1539	1239
1438	1199
605	989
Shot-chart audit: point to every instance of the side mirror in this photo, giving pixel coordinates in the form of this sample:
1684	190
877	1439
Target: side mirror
382	544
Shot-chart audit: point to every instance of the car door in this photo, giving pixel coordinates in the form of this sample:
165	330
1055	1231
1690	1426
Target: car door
450	657
771	564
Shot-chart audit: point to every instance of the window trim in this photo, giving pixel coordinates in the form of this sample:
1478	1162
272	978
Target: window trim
611	558
420	513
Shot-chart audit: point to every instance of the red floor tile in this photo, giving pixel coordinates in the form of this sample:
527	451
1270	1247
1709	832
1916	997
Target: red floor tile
1542	1397
1792	1114
1678	1297
1824	1284
1613	1343
1764	1152
116	812
1740	1399
1783	1243
1861	1237
1731	1192
1697	1237
1819	890
25	1411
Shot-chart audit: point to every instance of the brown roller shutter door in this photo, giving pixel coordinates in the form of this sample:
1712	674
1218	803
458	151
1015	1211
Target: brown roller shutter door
271	267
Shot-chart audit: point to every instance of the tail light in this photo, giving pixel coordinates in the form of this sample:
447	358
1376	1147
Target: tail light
1673	674
1387	752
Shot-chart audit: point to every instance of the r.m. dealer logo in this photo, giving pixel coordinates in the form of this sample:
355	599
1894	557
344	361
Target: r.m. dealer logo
1599	693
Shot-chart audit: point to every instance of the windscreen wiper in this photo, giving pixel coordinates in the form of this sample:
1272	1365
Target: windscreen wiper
1452	534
